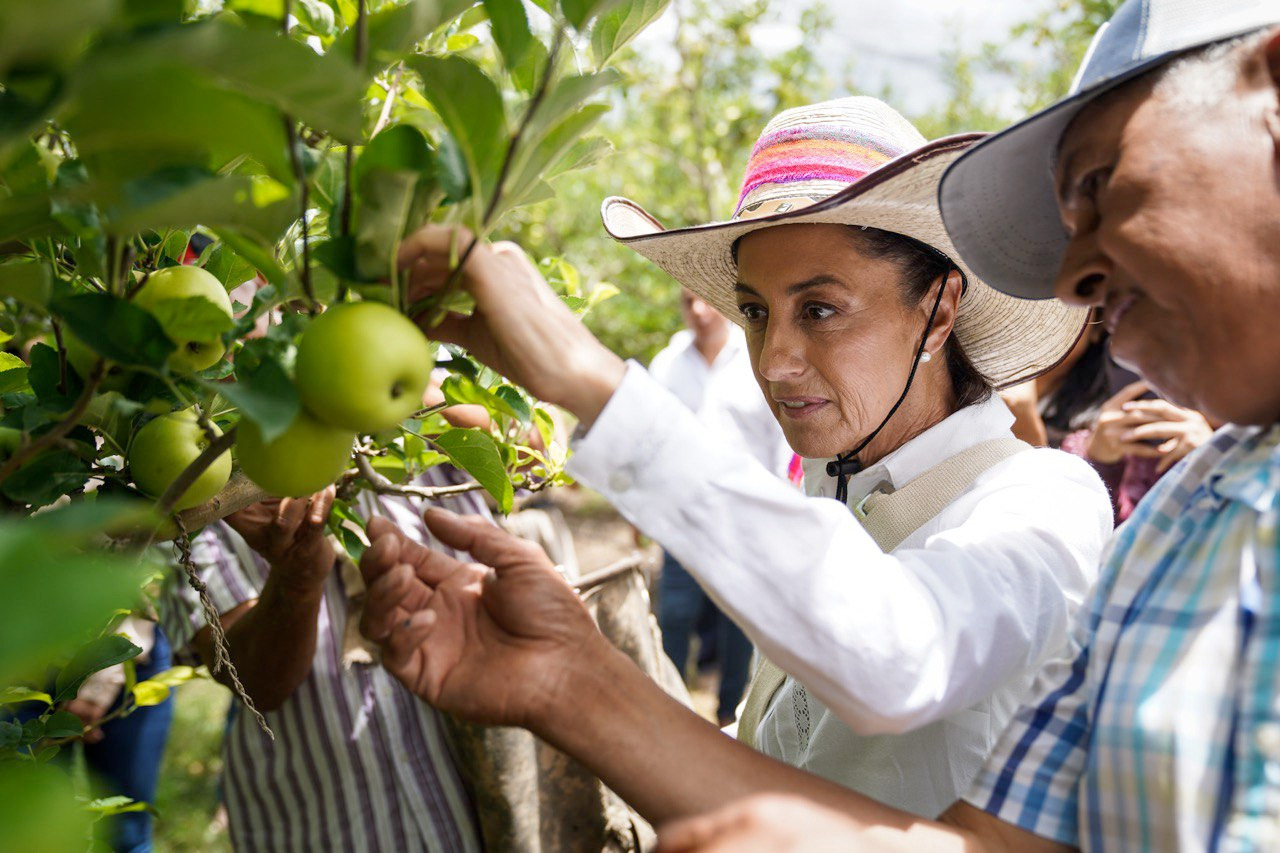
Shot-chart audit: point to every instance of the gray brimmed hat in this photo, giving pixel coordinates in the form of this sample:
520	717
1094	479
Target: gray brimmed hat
854	161
998	199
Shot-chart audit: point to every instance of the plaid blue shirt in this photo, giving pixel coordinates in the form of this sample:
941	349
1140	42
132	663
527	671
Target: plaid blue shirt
1159	727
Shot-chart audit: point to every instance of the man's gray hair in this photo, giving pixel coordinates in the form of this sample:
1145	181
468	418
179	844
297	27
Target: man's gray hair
1201	77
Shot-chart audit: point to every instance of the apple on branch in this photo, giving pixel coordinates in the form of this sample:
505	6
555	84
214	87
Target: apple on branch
363	366
163	448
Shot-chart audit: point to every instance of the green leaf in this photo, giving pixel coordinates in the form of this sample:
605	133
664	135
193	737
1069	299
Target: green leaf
9	361
94	656
321	91
115	328
579	12
26	217
49	34
471	106
510	27
121	134
463	391
186	197
266	397
63	724
14	695
515	403
256	253
475	452
401	147
394	31
38	805
534	161
227	267
149	693
316	17
45	377
30	283
46	478
192	318
617	27
119	804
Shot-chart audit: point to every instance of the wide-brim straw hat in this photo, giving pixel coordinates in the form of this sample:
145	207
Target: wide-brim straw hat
854	161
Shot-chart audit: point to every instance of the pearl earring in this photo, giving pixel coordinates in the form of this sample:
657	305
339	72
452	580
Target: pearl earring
925	357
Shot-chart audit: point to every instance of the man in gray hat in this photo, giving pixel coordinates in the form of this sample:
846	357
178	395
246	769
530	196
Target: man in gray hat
1151	193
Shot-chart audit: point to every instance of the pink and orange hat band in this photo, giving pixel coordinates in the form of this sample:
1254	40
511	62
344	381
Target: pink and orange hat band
815	153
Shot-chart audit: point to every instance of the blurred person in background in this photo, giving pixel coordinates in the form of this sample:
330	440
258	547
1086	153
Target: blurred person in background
1091	407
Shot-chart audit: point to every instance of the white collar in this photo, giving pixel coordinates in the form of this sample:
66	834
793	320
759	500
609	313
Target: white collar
734	343
970	426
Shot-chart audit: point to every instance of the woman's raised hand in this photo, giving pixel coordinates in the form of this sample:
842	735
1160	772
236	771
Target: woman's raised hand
490	641
520	327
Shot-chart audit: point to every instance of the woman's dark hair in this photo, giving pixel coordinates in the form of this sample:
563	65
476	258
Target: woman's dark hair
921	267
1074	404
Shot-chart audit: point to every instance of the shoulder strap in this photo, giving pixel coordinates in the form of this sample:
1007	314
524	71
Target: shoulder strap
889	517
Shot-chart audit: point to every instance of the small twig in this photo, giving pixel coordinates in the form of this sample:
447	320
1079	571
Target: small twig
430	410
591	580
392	92
217	447
544	85
221	652
61	430
382	486
361	50
62	356
299	175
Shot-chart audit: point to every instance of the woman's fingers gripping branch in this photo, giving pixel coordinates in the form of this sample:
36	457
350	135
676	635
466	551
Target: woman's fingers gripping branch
520	327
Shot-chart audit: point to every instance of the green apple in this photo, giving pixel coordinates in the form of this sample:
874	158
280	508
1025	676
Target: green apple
363	366
82	359
10	440
164	447
181	283
302	460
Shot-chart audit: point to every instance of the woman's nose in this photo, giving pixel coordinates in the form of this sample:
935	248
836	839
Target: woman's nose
781	354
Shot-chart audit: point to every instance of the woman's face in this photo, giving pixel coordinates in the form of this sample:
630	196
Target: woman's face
831	340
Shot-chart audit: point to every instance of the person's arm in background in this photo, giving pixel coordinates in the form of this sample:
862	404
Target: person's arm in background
272	639
1024	401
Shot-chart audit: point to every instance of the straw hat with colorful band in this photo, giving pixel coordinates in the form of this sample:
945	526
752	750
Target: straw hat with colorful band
855	162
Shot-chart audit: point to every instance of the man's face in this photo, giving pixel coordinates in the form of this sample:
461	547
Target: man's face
700	318
1173	214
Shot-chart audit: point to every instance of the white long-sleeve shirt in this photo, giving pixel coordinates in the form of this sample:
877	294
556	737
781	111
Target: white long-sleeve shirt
724	395
955	620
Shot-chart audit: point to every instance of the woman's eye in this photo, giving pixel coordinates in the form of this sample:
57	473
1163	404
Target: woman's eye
814	311
752	313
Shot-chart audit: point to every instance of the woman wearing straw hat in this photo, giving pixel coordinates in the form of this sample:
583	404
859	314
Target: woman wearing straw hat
910	619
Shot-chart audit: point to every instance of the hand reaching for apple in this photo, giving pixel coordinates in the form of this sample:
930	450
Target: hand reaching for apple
290	534
493	645
519	328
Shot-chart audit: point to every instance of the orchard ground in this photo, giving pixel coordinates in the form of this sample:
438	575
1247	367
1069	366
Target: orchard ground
187	802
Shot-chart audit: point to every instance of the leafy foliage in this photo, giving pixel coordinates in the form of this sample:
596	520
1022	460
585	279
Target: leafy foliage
285	148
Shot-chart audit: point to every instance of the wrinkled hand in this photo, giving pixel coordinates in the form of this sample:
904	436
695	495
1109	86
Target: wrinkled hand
89	713
768	823
492	641
520	327
290	534
1127	425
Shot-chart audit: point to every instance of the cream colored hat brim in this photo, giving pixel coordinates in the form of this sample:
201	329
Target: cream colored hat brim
1009	340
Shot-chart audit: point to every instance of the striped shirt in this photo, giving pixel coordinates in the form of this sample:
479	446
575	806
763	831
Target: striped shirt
358	762
1159	727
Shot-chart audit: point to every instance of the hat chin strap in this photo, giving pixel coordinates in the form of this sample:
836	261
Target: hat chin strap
846	465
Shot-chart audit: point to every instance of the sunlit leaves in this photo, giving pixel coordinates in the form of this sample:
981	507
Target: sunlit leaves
470	104
617	27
